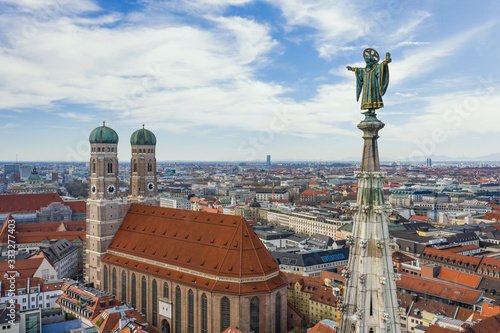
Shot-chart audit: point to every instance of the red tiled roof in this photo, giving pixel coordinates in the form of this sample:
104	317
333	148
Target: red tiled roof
324	295
25	267
457	277
25	203
491	216
308	284
442	290
96	308
469	315
439	329
450	258
489	263
400	257
321	328
77	206
214	244
488	325
12	203
419	218
112	320
232	329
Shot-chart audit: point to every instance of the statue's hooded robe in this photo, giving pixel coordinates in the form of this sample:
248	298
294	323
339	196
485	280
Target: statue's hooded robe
375	83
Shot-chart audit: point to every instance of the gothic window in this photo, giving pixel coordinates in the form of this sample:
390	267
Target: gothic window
144	295
93	166
135	166
178	310
134	292
254	315
190	311
165	290
113	279
204	321
277	315
150	166
105	278
110	167
98	149
108	150
155	303
124	287
225	313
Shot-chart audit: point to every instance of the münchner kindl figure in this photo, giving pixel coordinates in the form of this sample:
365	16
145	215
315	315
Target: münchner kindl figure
375	80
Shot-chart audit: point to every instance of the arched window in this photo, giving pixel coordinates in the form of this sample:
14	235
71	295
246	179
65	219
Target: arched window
178	308
225	313
134	292
144	295
124	287
105	282
204	321
93	166
110	167
155	303
150	166
165	290
113	281
98	149
277	315
135	166
254	315
190	311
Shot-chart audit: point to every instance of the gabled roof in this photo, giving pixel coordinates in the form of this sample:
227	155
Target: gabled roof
13	203
25	267
321	328
488	325
451	258
211	246
32	202
441	290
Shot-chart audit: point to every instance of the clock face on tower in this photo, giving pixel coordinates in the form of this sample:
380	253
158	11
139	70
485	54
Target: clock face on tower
151	186
111	189
93	189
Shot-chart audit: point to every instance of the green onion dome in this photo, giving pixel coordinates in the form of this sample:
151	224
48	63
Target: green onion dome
103	134
143	137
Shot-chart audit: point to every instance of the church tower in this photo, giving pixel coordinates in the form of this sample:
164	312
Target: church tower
104	207
370	304
143	168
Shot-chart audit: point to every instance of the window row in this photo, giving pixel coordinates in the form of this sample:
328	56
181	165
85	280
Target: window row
103	149
225	306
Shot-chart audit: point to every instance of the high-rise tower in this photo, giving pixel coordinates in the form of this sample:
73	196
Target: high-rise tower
104	207
143	168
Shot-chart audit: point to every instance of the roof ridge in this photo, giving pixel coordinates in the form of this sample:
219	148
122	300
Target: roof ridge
255	250
228	248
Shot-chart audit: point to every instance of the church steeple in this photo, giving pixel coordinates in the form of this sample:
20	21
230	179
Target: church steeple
370	304
104	206
143	184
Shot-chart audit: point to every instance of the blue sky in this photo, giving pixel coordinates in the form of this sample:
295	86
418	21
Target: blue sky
240	79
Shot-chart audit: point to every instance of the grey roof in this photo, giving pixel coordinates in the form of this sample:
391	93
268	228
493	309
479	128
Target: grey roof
4	311
305	259
410	236
59	249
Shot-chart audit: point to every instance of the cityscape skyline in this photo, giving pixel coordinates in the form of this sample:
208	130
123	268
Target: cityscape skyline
238	80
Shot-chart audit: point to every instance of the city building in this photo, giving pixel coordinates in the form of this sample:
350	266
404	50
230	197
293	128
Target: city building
268	161
177	203
31	293
311	263
64	257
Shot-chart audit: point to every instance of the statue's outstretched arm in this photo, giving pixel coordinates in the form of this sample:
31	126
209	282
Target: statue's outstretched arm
388	57
349	68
